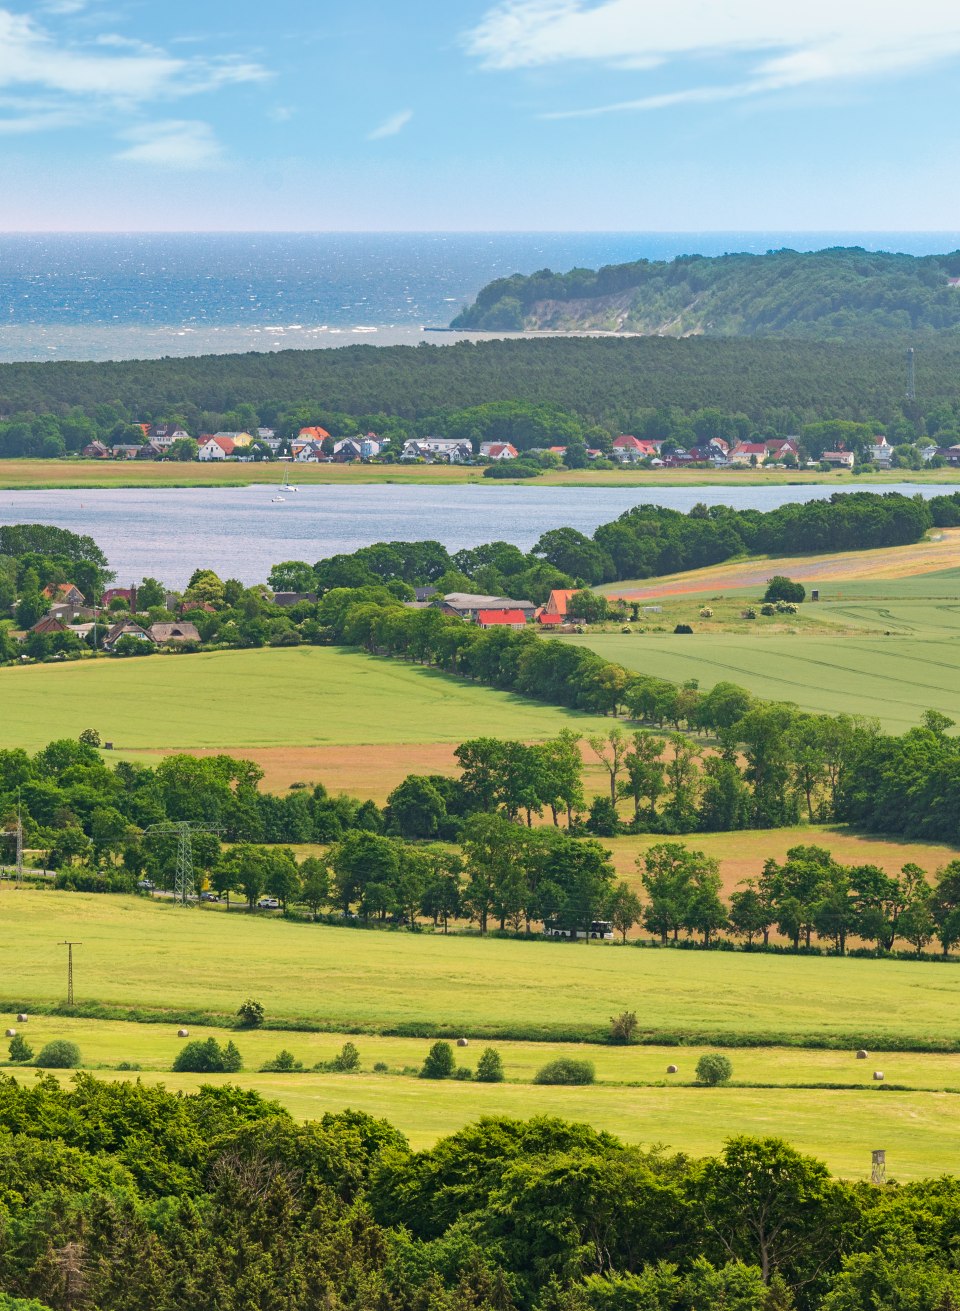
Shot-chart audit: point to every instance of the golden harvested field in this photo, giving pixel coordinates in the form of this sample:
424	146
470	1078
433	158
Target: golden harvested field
941	552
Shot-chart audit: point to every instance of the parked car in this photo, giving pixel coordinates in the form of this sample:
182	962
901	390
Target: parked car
268	903
145	885
209	896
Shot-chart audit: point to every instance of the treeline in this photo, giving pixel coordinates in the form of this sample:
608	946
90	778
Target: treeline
123	1196
836	293
773	764
606	381
646	541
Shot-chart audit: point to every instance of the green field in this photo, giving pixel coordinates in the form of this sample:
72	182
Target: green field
893	657
156	957
634	1097
307	696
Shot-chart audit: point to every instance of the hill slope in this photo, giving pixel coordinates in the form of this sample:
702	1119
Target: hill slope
828	293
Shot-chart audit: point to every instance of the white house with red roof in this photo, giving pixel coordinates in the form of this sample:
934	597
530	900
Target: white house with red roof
749	453
778	448
628	449
215	448
498	451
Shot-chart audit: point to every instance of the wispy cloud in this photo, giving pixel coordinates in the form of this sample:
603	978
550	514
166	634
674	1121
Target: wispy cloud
173	143
391	126
783	46
86	79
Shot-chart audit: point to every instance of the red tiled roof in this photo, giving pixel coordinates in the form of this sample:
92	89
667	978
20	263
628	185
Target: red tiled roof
490	617
544	618
313	434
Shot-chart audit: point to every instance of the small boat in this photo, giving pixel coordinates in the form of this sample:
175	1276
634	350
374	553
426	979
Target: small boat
275	499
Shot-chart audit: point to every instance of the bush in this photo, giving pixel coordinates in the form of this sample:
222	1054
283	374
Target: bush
206	1056
463	1073
251	1014
128	1065
439	1063
490	1066
380	1067
59	1055
20	1049
714	1068
781	588
683	628
566	1070
346	1061
283	1063
623	1027
90	737
768	609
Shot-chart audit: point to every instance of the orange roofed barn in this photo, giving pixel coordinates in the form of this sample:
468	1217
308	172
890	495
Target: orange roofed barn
501	619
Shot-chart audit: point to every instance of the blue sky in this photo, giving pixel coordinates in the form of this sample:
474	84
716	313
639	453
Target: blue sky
479	114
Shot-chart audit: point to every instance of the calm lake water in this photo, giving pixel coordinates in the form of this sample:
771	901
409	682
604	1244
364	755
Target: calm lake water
240	532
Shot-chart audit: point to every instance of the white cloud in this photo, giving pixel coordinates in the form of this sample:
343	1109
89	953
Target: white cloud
391	126
174	143
785	45
107	72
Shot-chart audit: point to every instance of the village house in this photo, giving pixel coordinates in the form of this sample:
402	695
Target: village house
498	451
125	628
125	451
949	454
49	624
880	452
438	449
501	619
215	448
629	450
128	594
554	612
163	435
308	452
754	453
778	448
176	634
839	459
287	599
238	438
467	605
95	450
347	450
371	446
63	594
314	434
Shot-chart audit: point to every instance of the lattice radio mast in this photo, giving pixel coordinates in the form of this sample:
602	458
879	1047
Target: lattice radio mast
184	831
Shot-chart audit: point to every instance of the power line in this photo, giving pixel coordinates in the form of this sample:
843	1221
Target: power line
184	831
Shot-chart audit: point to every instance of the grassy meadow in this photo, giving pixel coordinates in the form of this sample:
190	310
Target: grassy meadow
30	474
157	958
916	1117
305	696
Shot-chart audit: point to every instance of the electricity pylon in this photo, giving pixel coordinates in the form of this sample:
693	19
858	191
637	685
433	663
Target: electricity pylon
184	830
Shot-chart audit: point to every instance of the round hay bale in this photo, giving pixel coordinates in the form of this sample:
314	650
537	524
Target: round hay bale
11	1033
878	1076
671	1069
463	1042
21	1018
861	1055
183	1033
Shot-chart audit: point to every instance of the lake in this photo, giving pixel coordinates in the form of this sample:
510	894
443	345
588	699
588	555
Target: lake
240	532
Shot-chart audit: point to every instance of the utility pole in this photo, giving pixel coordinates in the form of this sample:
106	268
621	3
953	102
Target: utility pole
70	946
17	833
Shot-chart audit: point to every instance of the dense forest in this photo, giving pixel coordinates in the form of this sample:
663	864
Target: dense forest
122	1196
619	383
838	293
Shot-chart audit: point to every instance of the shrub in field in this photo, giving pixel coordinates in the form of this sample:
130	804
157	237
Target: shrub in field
346	1061
781	588
20	1049
714	1068
463	1073
283	1063
251	1014
380	1067
206	1056
439	1063
566	1070
59	1055
128	1065
768	609
490	1066
683	628
623	1027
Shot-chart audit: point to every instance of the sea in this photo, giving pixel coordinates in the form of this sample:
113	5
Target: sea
109	296
239	532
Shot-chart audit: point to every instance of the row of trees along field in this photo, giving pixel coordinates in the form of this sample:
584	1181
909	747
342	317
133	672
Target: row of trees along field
389	864
616	384
220	1201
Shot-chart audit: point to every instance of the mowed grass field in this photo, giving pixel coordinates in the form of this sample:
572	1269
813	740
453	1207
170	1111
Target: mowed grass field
29	473
892	657
917	1119
307	696
153	956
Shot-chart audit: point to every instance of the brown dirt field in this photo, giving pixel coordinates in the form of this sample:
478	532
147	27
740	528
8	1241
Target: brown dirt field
899	562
